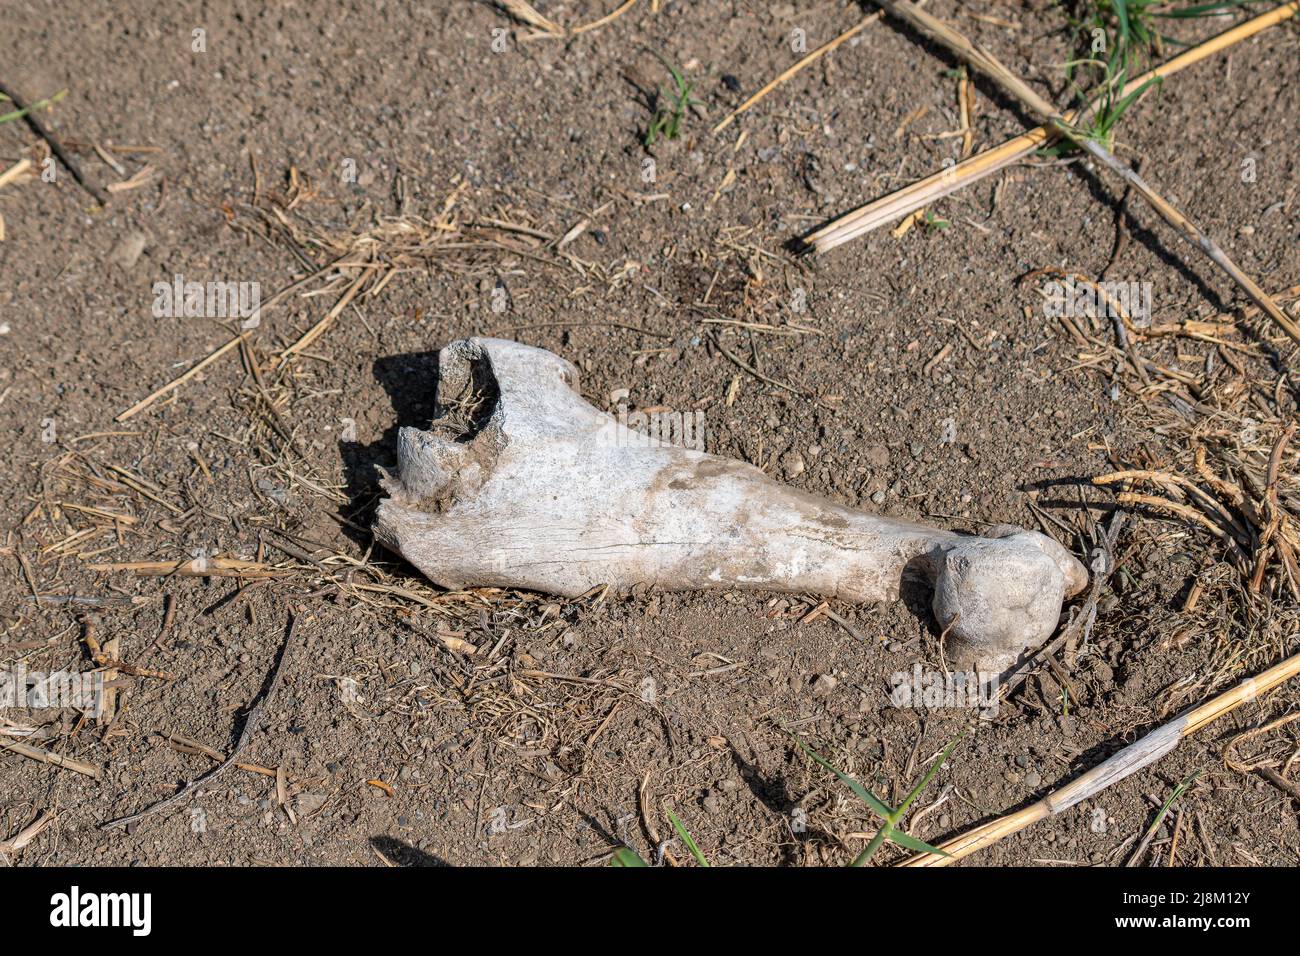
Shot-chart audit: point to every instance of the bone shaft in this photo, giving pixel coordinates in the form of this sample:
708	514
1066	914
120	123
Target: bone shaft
737	530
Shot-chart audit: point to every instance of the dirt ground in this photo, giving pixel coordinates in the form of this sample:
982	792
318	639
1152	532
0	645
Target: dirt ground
916	375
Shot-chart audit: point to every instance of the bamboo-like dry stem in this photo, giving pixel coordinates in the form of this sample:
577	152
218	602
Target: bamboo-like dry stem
921	193
965	102
1134	757
28	833
982	60
53	759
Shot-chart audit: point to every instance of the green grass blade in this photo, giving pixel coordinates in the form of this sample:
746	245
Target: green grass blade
626	856
686	838
876	843
929	775
1121	17
912	843
1127	101
862	793
35	107
1202	10
1177	792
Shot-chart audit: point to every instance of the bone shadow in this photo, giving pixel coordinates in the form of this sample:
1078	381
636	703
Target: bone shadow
411	382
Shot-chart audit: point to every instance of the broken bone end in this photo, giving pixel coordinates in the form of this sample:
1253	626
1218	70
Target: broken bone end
429	466
996	597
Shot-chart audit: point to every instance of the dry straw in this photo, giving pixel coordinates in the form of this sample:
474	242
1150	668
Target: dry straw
919	194
1131	759
527	13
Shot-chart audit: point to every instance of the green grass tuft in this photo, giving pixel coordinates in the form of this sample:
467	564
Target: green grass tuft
890	830
1120	38
669	107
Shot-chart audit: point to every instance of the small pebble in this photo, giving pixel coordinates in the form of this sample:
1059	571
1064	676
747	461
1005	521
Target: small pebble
127	252
306	803
823	684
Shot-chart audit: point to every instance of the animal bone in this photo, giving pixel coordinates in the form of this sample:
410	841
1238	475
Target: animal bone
537	489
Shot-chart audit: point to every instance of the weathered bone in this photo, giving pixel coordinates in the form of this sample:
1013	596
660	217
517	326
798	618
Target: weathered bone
540	490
